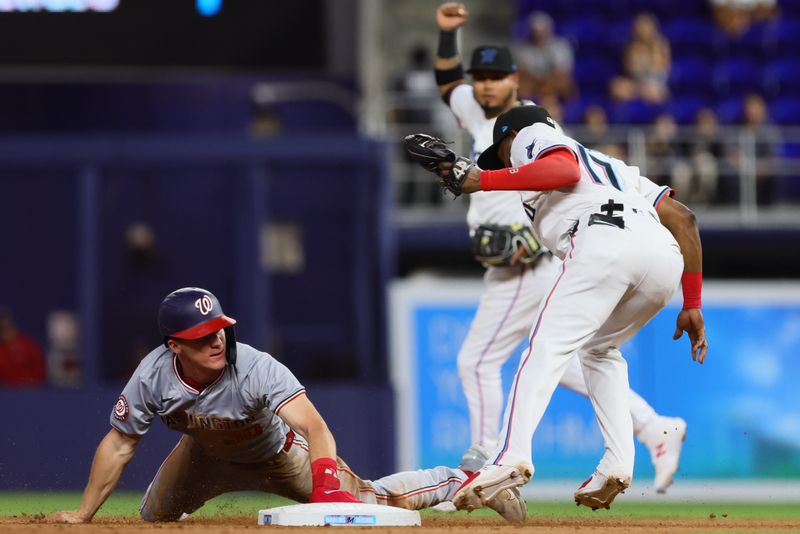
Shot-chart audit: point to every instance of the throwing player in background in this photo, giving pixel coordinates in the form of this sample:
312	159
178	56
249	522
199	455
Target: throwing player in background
247	425
625	245
512	292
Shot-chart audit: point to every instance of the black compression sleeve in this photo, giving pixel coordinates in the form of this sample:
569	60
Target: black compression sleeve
447	44
443	77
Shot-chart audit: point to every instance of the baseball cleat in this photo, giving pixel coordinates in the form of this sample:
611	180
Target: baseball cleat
495	486
473	459
664	438
599	490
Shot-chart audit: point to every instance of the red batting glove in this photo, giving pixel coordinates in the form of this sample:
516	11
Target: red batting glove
325	483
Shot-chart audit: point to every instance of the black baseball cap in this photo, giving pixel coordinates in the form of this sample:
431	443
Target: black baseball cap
490	57
515	118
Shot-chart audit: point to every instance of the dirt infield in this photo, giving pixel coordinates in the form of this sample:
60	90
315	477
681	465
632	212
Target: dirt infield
24	524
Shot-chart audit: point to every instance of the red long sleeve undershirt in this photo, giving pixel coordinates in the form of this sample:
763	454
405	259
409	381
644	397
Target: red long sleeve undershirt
557	169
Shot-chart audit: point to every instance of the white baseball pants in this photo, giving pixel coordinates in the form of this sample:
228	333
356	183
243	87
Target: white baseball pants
504	317
611	283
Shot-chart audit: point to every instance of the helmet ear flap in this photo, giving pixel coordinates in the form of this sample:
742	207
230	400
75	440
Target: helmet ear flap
230	341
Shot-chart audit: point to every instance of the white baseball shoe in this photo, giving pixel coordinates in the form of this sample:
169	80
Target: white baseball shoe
496	486
663	437
599	490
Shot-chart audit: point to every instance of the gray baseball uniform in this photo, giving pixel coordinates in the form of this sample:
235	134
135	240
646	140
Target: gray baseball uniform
234	439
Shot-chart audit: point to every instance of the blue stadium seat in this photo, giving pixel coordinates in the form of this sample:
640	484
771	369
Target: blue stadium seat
592	75
790	8
585	32
782	77
566	9
737	76
574	110
750	45
635	112
785	111
689	36
781	36
730	110
690	75
685	109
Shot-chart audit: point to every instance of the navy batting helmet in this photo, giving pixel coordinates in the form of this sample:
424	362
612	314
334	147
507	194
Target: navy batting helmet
192	313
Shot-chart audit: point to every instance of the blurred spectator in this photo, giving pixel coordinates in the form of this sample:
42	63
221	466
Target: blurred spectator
418	106
595	134
544	62
734	17
646	62
21	357
662	149
418	94
766	139
553	107
696	175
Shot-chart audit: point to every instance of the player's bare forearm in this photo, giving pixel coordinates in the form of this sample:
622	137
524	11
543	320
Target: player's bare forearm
682	224
112	455
303	418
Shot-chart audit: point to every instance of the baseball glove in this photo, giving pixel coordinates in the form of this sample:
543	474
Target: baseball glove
430	151
495	245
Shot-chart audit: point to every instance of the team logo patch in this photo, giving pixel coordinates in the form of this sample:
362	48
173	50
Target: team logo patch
488	55
121	410
503	129
204	305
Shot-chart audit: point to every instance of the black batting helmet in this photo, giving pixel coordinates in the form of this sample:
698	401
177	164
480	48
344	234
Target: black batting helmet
192	313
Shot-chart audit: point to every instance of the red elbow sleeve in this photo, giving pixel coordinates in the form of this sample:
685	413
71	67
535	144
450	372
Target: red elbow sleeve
555	170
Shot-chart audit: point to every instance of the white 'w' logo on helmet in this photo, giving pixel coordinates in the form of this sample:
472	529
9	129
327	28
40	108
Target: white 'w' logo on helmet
204	304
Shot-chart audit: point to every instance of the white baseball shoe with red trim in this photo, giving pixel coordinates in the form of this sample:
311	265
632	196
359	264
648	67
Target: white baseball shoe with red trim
496	486
599	490
663	437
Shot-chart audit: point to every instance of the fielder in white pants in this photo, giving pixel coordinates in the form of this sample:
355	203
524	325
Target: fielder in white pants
620	267
507	308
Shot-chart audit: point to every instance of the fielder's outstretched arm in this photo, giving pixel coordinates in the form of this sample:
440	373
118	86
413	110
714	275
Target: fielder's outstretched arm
448	69
682	224
110	459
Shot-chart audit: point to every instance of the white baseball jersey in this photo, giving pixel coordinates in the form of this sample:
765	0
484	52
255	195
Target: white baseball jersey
485	207
510	299
603	178
233	419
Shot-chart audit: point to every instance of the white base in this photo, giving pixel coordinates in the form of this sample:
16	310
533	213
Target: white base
339	514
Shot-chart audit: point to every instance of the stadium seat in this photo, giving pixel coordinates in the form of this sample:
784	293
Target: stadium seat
584	32
574	110
737	76
690	75
592	75
790	8
730	110
750	45
635	112
782	77
785	111
782	36
689	36
685	109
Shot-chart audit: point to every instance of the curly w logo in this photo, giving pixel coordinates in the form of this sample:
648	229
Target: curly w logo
204	305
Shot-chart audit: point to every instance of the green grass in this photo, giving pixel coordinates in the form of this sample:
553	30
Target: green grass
127	504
